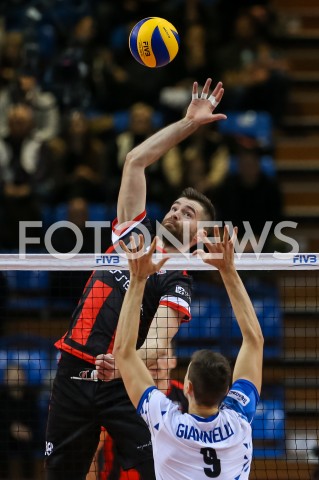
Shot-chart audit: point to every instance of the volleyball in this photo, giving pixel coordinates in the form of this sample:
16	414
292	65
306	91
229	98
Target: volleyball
154	42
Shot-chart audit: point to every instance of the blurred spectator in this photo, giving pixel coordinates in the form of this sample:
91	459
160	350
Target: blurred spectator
114	19
193	62
263	12
254	75
249	195
110	79
26	174
201	161
83	33
83	159
140	127
64	240
11	51
194	59
20	427
119	81
27	90
202	11
266	19
69	77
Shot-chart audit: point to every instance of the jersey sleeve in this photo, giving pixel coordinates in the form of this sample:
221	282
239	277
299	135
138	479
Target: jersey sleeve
152	407
140	224
177	292
243	398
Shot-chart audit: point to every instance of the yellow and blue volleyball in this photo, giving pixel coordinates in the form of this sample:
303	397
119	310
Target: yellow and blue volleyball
154	42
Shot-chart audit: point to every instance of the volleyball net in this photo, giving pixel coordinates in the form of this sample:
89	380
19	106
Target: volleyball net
40	291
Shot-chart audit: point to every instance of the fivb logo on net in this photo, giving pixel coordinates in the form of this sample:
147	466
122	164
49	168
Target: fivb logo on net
249	239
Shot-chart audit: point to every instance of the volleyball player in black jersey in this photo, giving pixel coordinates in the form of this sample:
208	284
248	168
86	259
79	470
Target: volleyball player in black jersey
80	404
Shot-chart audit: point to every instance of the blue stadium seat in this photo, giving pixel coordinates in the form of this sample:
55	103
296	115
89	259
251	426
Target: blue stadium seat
268	311
267	164
205	322
27	279
269	428
46	40
213	324
27	289
47	215
34	355
66	12
203	330
35	364
96	212
269	422
257	125
269	315
111	211
61	212
155	211
121	120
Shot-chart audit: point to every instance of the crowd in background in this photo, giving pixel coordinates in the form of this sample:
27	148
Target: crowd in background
73	101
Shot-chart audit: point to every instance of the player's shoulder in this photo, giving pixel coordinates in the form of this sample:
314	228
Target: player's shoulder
242	398
174	284
152	396
181	276
140	224
241	389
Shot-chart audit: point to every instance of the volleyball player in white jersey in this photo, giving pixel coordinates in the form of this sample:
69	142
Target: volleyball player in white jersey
214	439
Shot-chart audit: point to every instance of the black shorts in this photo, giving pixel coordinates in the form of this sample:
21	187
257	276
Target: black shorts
78	409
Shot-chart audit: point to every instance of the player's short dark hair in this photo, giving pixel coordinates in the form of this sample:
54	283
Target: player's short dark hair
210	374
193	194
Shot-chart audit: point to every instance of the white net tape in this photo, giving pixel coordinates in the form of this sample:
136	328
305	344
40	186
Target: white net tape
114	261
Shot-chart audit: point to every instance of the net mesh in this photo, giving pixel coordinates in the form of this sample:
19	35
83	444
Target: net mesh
35	308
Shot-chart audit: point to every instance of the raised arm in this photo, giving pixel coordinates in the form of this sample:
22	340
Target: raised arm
134	372
249	360
132	195
162	330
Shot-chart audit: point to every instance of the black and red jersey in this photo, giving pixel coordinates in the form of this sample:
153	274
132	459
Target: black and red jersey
94	321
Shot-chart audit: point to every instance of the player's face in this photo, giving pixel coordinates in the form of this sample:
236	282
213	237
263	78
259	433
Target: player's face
184	216
161	370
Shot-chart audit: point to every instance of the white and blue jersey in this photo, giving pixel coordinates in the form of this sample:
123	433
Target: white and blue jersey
189	447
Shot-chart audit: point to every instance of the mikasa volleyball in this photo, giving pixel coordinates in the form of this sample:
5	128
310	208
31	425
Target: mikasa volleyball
154	42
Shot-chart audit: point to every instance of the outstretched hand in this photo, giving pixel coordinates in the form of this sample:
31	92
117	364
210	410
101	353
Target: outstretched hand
140	262
221	253
201	108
